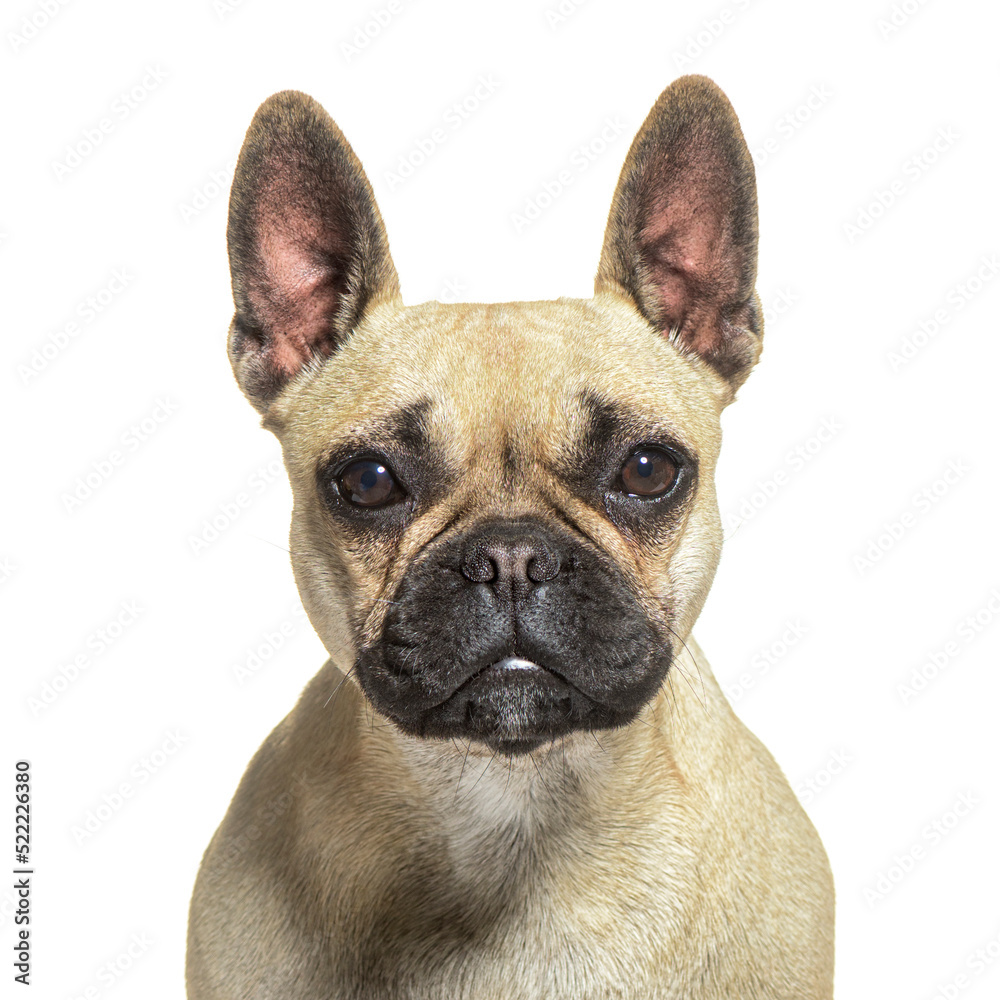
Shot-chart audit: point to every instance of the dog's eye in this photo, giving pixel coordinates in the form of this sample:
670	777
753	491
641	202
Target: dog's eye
648	473
368	483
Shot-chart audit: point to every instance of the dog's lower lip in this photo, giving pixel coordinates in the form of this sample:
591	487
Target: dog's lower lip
509	664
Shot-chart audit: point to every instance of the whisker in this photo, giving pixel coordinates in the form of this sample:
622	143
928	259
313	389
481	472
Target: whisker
538	771
605	751
485	769
702	701
267	541
338	687
468	747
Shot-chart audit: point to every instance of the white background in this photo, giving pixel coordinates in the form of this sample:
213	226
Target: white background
162	709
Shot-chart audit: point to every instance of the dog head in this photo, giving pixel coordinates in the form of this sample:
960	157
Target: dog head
504	515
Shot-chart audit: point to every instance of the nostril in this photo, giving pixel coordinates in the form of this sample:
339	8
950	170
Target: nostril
478	567
543	566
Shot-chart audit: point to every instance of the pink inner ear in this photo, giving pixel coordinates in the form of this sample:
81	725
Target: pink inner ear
687	243
301	242
301	299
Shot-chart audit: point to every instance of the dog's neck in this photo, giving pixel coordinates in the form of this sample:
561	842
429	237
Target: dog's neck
454	827
472	783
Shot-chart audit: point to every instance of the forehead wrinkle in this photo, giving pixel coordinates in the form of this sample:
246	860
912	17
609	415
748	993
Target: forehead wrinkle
406	426
402	431
622	424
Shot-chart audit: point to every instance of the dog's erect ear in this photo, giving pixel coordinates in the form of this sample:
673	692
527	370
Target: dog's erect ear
307	249
681	240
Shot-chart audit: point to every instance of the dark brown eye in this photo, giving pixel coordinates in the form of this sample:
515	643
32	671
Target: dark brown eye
368	483
649	473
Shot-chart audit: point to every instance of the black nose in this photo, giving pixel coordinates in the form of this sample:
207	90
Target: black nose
510	554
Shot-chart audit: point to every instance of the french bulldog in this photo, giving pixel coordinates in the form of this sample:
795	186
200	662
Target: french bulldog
516	777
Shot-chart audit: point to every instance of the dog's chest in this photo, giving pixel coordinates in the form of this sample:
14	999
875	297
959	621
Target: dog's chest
519	899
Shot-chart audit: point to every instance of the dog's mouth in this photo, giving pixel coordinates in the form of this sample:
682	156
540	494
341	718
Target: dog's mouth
513	705
509	667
